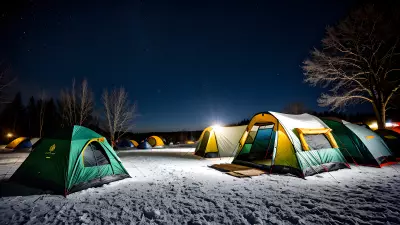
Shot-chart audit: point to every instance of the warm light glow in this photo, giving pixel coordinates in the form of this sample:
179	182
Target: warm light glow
9	135
216	126
374	125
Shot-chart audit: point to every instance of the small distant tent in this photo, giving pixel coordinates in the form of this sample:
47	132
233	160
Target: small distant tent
359	144
20	143
125	144
155	141
283	143
219	141
392	140
73	159
135	144
144	145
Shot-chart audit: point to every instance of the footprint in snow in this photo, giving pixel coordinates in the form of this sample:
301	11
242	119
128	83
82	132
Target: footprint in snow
363	187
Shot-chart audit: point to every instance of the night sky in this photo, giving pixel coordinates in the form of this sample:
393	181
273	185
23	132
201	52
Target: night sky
187	64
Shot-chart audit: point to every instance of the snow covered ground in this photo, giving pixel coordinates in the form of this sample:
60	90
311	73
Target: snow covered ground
175	187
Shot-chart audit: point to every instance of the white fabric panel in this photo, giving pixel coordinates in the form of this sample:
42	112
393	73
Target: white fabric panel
228	138
291	122
34	140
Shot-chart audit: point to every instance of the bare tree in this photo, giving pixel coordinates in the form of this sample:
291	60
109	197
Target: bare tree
76	105
41	112
359	62
295	108
119	112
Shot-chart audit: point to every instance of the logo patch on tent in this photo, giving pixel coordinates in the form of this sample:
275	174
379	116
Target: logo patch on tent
370	137
51	151
52	148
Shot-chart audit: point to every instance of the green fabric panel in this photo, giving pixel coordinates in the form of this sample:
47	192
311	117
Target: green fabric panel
246	149
318	157
80	173
45	165
375	145
83	133
115	161
349	143
75	167
105	170
307	159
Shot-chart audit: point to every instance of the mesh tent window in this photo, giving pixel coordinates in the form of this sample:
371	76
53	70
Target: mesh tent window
316	138
317	141
94	155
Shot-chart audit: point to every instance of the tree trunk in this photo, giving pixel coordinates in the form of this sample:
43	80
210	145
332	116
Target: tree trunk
112	141
380	113
382	124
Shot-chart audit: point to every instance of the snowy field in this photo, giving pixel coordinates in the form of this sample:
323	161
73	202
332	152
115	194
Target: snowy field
175	187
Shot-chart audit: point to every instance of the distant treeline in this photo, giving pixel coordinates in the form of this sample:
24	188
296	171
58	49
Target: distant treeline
44	116
38	118
174	137
28	121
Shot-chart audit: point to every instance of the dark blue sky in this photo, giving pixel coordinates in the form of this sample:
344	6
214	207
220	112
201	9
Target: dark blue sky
187	64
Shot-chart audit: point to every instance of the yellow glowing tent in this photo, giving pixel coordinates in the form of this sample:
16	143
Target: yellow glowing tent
297	144
134	143
219	141
155	141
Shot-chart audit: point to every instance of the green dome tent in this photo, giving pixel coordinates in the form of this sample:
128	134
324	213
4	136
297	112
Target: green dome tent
359	144
71	160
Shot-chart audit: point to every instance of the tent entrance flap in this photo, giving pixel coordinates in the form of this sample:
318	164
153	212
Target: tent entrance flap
203	144
259	147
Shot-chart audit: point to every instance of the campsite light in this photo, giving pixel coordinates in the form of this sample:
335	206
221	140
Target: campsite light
391	124
9	135
373	125
216	126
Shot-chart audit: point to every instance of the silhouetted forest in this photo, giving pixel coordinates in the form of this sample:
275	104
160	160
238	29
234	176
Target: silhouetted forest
25	120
